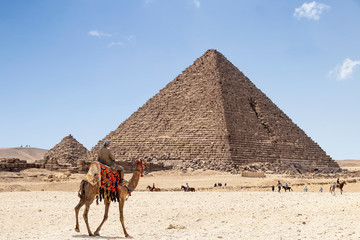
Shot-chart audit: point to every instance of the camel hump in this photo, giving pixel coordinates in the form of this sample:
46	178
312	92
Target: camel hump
93	175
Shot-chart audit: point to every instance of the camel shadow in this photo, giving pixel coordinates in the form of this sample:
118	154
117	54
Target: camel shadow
85	236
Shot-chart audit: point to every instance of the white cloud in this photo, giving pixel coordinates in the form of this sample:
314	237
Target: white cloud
112	44
98	34
131	38
196	3
345	70
310	10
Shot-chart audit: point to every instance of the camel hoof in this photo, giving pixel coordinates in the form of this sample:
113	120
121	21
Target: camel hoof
77	230
90	234
128	236
96	234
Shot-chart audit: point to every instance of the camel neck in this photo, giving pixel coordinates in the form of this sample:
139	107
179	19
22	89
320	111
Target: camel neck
135	178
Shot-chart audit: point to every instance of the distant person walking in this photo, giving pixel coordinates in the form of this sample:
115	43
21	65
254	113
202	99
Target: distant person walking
279	185
305	189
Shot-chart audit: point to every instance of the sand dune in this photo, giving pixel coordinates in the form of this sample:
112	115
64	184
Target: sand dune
28	154
351	165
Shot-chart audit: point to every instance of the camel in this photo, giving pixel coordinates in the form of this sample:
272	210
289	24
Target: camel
87	194
191	189
153	190
334	186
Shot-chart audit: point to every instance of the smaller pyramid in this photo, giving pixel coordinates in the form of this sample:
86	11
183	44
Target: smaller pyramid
66	153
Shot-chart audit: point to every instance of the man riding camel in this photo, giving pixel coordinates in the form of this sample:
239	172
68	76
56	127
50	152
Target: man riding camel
338	182
106	157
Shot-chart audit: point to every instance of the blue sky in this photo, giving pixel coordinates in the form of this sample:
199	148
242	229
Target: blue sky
82	67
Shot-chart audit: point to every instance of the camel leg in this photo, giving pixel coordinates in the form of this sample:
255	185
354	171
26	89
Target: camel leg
107	205
77	208
85	215
121	209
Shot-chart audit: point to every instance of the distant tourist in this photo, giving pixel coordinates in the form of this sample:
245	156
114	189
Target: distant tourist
305	189
215	185
225	184
338	182
273	188
187	187
279	186
321	189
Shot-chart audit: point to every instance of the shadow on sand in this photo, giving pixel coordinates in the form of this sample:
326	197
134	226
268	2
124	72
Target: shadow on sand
85	236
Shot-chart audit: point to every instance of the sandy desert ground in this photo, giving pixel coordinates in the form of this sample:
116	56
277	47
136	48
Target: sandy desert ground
180	215
39	204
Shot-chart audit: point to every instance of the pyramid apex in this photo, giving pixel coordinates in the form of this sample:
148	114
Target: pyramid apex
211	53
211	57
208	60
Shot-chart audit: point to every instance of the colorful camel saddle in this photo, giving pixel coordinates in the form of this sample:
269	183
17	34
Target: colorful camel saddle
106	177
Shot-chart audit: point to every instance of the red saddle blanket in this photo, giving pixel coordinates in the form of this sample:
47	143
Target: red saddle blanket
109	179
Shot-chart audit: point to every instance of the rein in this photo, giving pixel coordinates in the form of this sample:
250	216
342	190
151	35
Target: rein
142	167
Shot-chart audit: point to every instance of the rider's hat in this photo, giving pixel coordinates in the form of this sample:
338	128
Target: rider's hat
106	142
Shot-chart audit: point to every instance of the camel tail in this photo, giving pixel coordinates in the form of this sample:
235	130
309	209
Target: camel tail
81	191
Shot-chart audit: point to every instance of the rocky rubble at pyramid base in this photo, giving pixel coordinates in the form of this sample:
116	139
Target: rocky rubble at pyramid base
281	167
15	164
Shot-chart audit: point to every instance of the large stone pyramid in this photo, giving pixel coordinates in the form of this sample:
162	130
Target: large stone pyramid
213	115
64	154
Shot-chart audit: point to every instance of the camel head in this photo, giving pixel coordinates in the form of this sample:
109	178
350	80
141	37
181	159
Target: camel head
140	166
